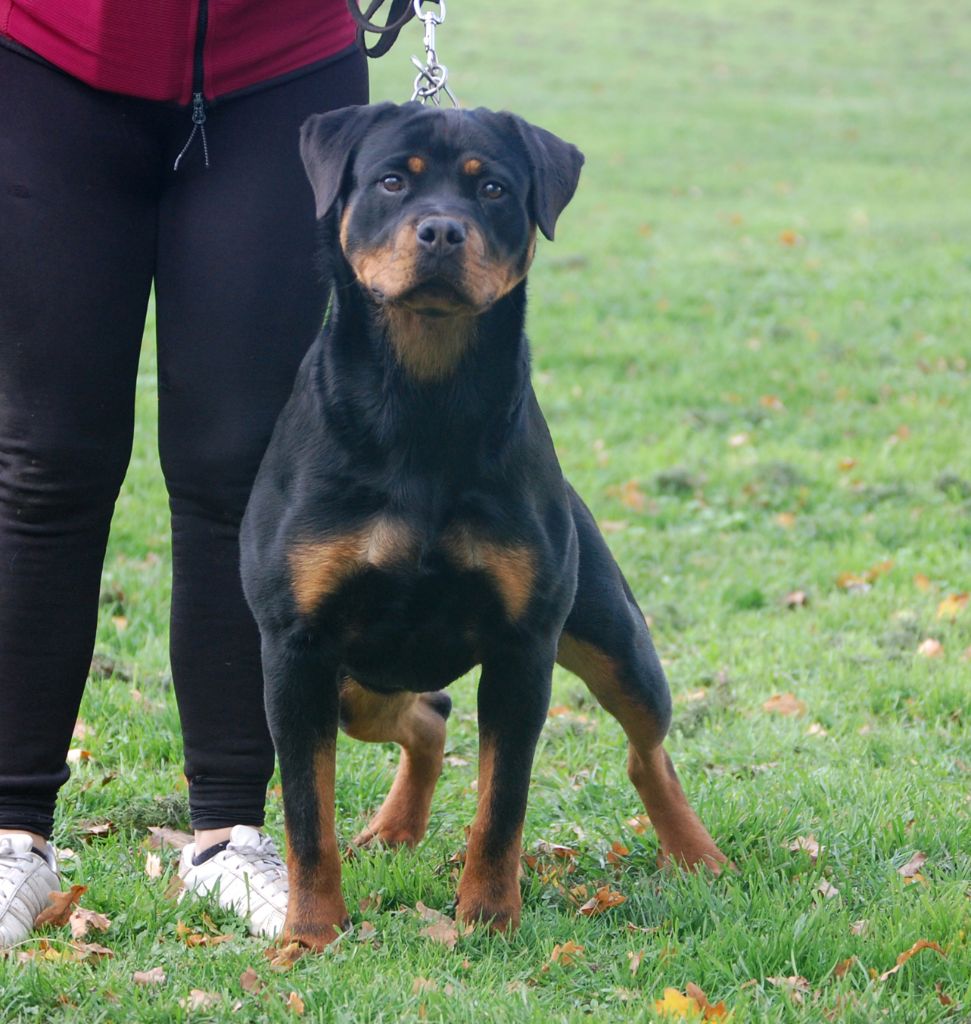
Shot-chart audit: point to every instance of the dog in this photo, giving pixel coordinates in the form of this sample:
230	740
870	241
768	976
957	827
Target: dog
410	520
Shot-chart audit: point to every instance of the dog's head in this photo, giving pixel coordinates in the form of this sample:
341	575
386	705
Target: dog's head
437	209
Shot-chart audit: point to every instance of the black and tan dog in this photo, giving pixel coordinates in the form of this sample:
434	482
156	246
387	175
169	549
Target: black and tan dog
410	519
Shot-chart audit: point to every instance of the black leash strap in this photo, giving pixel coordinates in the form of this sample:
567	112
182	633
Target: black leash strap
400	13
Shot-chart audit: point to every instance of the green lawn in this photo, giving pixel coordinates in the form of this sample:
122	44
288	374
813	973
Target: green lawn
751	342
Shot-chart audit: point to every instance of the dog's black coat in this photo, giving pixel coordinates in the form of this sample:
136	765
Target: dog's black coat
410	519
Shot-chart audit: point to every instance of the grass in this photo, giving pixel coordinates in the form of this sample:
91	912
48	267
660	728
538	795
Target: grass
751	343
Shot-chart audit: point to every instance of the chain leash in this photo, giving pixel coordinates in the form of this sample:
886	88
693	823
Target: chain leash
432	78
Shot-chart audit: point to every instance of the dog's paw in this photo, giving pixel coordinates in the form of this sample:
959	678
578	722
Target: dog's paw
498	913
376	834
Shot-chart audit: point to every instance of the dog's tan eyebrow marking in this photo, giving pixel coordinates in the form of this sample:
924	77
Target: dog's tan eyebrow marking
472	166
416	164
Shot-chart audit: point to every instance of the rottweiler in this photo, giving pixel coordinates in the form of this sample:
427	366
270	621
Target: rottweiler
410	519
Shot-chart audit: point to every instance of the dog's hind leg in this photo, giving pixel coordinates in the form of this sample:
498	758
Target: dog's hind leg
416	722
606	642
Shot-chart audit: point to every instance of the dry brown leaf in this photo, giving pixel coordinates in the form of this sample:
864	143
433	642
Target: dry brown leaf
250	981
420	985
96	829
161	836
199	1000
807	844
81	730
930	648
913	866
89	951
943	997
634	960
366	931
827	890
843	967
859	927
711	1011
922	582
61	908
908	953
738	440
673	1003
153	976
617	852
565	955
76	756
796	985
952	606
639	823
556	850
82	921
282	958
439	928
191	938
153	865
295	1004
796	599
603	899
787	520
371	900
785	704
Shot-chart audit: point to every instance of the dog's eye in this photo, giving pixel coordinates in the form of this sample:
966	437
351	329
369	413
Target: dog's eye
492	190
392	183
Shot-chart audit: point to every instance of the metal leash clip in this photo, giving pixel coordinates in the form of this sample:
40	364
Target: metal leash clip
432	78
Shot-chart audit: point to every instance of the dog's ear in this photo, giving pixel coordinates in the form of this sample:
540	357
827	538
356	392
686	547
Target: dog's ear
327	142
554	167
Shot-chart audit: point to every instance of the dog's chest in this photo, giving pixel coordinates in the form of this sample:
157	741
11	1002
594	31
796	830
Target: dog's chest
397	560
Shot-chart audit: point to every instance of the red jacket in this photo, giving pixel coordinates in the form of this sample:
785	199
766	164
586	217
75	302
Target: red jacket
170	49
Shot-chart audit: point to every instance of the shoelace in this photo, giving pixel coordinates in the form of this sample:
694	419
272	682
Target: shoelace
269	870
20	862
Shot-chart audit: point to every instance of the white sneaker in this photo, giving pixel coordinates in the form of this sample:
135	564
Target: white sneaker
248	876
26	880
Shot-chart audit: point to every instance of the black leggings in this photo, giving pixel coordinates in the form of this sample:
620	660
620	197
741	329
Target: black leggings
91	214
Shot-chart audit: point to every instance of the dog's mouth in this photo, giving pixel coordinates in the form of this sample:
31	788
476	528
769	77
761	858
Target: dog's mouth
437	297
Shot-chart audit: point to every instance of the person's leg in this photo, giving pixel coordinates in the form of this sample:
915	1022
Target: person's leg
77	248
238	302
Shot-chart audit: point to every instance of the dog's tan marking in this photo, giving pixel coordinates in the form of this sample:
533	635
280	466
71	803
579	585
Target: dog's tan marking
511	567
472	166
488	890
316	908
429	348
410	720
319	567
416	165
682	836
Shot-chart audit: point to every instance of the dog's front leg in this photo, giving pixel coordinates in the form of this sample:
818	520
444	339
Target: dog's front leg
514	697
302	706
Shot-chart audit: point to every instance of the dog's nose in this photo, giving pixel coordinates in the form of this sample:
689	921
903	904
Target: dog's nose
441	235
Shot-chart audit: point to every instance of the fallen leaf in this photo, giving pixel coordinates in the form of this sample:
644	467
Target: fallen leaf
634	960
676	1004
859	927
282	958
295	1004
789	237
796	599
711	1011
160	837
617	852
373	899
61	908
843	967
952	606
603	899
96	829
913	866
807	844
556	850
89	951
456	762
440	927
796	985
76	756
816	729
153	976
640	823
82	730
199	1000
943	997
930	648
846	463
771	402
566	954
908	953
82	921
420	985
827	890
250	981
737	441
922	582
785	704
191	938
